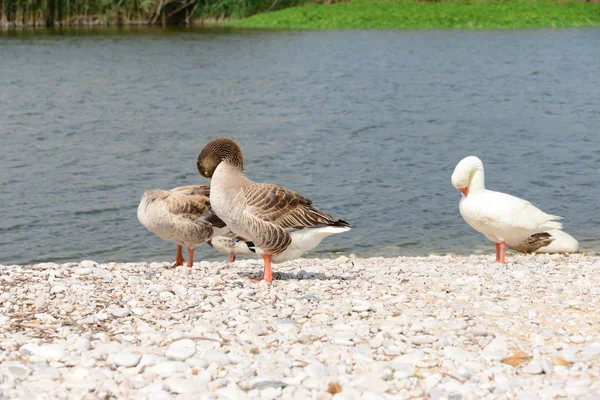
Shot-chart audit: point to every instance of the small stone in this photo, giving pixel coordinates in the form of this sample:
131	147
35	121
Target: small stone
83	344
39	302
268	384
181	350
58	288
497	349
126	359
422	339
51	352
169	368
83	271
360	305
377	341
183	385
547	366
533	368
432	380
403	370
218	357
578	387
409	358
371	383
88	264
536	339
15	369
180	290
119	312
577	339
165	296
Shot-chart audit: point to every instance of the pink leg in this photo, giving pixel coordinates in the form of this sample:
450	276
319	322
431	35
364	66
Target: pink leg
190	257
267	273
502	250
497	252
179	257
231	258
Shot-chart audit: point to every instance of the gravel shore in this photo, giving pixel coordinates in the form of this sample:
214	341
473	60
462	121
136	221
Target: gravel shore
346	328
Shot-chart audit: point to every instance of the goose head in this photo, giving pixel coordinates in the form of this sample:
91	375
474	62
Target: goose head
468	175
217	151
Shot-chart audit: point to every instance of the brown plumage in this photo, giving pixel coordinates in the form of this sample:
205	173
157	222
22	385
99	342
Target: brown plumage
182	215
280	222
272	211
533	243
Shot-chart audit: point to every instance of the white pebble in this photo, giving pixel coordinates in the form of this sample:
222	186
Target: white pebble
169	368
119	312
187	385
409	358
126	359
58	288
83	271
533	368
218	357
88	264
181	350
51	352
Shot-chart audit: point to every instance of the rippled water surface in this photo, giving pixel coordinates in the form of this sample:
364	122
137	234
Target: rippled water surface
369	124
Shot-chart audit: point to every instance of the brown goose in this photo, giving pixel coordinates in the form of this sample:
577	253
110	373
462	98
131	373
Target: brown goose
182	215
281	223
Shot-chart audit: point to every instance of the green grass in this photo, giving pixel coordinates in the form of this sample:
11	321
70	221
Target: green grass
380	14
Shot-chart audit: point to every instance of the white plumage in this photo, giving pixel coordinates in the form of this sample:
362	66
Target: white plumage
502	218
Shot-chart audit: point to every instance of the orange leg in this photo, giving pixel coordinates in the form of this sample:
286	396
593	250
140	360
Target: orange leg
500	253
179	259
231	258
190	257
267	273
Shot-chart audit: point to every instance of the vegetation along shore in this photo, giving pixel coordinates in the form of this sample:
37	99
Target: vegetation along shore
381	14
304	14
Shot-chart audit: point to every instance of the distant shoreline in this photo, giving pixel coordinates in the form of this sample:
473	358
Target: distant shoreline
96	22
364	14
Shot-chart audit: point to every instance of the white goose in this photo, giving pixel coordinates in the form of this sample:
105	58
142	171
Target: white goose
502	218
182	215
281	223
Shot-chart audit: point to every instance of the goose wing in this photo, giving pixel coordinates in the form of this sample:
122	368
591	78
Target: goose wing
285	208
189	202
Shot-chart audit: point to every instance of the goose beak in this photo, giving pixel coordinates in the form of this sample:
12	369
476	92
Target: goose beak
465	191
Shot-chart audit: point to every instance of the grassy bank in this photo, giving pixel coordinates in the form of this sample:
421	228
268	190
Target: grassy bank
379	14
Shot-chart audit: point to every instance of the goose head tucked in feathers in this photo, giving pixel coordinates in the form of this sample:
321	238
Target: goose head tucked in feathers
468	176
217	151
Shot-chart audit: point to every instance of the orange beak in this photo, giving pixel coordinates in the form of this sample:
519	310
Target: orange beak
465	191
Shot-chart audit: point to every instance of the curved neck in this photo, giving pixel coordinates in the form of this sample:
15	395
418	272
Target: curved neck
477	183
226	175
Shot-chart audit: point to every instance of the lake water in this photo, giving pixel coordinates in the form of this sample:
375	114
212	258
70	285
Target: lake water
368	124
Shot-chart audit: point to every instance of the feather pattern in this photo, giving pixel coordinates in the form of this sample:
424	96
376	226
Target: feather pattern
553	241
182	215
267	214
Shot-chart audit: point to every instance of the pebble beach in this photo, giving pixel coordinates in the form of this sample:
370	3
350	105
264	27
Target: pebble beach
438	327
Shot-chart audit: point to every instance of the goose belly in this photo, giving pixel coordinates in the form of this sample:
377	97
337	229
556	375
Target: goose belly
304	240
157	219
154	218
